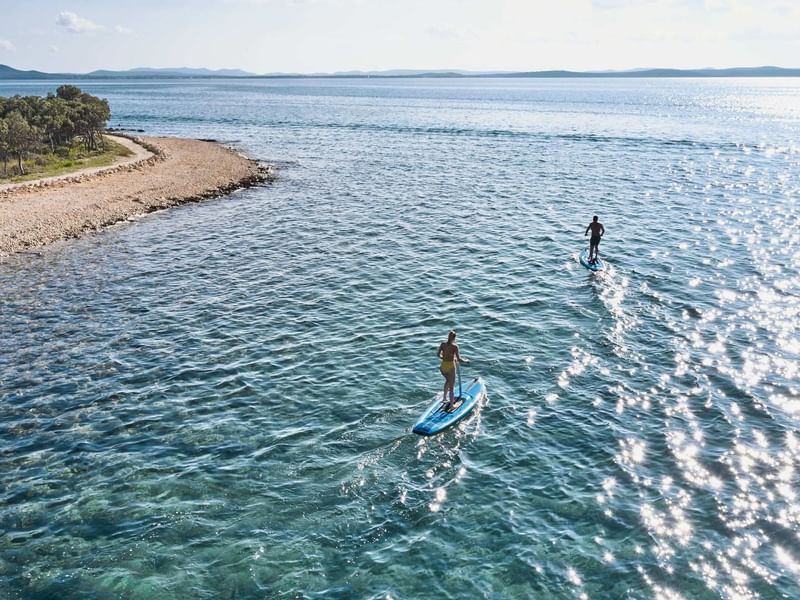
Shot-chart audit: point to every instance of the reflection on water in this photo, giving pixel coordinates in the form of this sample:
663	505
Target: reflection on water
216	401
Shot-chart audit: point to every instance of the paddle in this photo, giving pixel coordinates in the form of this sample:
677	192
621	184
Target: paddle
458	372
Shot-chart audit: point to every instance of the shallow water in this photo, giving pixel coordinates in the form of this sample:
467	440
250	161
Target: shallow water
216	401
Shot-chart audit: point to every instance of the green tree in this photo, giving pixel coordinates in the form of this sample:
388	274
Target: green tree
37	124
93	116
52	121
4	150
21	138
69	92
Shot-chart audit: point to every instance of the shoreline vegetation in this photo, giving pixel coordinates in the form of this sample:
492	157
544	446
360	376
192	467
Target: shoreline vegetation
74	158
44	134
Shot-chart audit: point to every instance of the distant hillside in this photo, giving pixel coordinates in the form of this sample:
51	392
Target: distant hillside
178	72
732	72
7	72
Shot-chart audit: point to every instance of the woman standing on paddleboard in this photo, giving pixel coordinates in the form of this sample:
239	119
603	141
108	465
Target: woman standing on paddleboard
448	352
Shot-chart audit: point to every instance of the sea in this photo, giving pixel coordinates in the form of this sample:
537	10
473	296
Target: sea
216	401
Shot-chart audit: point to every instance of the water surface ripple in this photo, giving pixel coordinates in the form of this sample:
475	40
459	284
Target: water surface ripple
216	401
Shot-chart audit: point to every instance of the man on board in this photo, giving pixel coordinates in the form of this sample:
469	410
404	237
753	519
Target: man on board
594	242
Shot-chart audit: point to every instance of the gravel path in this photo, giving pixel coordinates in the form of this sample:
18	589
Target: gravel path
140	153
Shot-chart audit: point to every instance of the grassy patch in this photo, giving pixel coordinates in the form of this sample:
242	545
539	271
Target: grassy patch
63	162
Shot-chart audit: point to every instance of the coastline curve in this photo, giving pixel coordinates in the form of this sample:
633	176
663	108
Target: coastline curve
163	172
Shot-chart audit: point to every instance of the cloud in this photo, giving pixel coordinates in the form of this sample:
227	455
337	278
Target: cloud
123	30
54	50
75	24
6	45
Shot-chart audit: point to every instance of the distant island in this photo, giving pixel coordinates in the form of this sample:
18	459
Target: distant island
9	73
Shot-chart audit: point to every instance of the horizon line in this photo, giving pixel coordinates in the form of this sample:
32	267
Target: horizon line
8	72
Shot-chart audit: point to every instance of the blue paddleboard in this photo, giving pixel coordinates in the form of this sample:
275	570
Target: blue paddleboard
436	419
598	265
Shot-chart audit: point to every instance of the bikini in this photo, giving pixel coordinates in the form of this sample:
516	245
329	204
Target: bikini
447	365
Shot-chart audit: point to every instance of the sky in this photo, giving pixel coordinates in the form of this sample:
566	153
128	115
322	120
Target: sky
307	36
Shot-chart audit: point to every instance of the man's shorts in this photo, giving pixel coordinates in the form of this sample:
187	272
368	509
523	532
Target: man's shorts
595	240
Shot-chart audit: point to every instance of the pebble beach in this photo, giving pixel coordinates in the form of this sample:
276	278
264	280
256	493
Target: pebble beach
162	172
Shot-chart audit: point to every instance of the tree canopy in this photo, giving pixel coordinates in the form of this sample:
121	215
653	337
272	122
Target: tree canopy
31	124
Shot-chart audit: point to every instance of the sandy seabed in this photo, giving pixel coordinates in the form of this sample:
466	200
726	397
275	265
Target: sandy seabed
162	172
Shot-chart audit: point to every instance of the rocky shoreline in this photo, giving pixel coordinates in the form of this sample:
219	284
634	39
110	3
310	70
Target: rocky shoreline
164	172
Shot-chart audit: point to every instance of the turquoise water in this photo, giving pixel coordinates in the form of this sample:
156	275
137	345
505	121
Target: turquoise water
215	401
